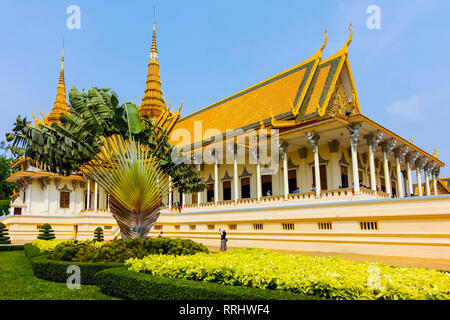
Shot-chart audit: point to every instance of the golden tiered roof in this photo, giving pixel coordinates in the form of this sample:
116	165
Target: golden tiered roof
60	105
153	103
299	94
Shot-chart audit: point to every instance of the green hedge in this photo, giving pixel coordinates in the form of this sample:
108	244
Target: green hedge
32	251
46	268
122	283
11	247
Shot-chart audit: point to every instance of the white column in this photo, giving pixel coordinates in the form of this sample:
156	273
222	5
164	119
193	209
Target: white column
183	199
387	175
88	200
419	181
400	193
408	173
427	181
235	178
258	180
28	195
283	150
47	198
335	167
354	136
216	181
434	184
199	194
170	193
313	139
95	196
372	145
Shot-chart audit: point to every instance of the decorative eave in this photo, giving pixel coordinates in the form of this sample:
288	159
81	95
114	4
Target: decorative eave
38	174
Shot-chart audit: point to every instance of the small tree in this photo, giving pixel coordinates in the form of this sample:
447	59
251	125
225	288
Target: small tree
98	234
4	239
46	233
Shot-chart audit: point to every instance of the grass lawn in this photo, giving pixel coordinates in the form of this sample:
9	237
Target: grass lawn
19	283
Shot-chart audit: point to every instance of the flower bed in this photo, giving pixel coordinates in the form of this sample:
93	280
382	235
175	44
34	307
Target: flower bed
328	277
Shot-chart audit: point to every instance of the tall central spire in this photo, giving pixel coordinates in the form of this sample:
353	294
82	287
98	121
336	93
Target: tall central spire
153	103
60	104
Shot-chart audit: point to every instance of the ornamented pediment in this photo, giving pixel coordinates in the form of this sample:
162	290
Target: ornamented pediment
321	161
291	165
245	174
343	161
226	177
65	188
210	180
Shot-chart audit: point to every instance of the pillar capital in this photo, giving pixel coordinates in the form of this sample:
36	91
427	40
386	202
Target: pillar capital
212	153
373	140
419	163
313	139
400	153
282	145
303	152
354	129
388	146
254	151
233	148
334	146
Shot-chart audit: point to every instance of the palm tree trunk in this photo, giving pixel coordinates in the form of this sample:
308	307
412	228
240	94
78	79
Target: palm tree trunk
133	224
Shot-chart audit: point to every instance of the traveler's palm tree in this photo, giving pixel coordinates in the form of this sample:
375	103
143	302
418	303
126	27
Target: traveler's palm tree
129	156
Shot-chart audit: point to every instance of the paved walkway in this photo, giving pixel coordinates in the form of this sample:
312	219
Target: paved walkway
438	264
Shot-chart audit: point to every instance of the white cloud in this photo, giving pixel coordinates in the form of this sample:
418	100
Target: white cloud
411	108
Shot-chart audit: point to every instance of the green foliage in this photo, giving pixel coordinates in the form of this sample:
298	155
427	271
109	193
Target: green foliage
46	233
47	246
121	250
64	147
6	188
98	234
32	251
327	277
46	268
4	239
119	282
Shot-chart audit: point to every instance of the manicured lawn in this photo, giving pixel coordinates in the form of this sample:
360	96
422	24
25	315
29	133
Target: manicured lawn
17	282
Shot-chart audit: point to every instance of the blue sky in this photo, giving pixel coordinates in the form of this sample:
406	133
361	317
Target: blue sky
211	49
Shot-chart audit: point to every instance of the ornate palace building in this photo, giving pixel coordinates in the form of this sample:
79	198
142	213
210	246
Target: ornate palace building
291	163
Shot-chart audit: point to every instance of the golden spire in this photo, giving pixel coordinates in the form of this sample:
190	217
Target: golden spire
153	103
60	105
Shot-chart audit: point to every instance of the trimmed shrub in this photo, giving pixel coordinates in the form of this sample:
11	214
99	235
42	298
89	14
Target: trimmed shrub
48	245
121	250
32	251
122	283
4	239
46	268
11	247
46	233
98	234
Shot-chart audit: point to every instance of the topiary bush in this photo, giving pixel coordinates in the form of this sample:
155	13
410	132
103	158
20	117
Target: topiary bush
4	239
48	269
31	251
122	283
98	234
121	250
46	233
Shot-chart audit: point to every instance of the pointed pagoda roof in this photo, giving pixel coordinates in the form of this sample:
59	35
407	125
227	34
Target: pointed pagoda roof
60	104
153	104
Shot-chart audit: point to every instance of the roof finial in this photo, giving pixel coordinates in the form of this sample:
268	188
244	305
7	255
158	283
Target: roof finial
325	41
351	34
154	50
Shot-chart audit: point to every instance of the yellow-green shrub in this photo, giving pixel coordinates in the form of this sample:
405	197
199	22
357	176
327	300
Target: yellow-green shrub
328	277
47	245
